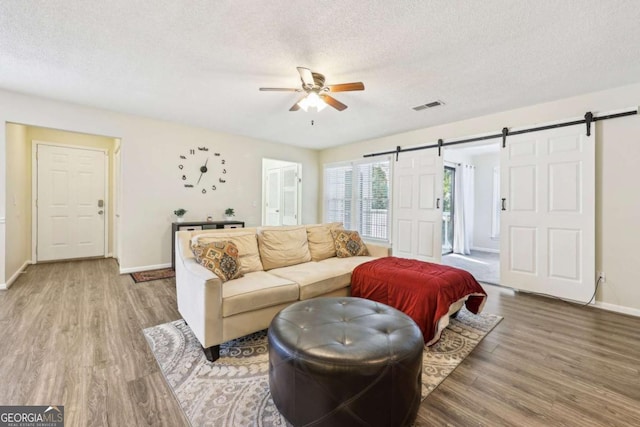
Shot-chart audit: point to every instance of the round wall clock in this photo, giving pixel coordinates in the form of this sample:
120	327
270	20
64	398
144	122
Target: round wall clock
202	169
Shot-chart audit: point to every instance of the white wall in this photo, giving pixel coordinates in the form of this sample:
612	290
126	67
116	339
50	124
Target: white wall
456	156
617	195
483	199
152	188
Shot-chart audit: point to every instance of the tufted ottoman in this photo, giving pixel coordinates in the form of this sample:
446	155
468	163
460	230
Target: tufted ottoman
345	362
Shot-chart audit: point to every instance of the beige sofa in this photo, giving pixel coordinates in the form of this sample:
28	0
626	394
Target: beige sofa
280	265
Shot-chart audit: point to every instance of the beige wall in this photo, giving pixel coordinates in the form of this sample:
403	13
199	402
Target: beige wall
617	195
18	200
151	186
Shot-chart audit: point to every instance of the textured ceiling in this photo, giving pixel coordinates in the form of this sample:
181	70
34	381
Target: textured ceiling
202	62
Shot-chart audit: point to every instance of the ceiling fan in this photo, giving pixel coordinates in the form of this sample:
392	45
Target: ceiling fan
316	92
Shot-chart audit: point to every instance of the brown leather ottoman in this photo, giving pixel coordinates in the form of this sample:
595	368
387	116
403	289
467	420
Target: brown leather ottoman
345	362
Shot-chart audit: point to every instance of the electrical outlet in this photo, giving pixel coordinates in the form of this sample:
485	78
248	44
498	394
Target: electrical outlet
602	277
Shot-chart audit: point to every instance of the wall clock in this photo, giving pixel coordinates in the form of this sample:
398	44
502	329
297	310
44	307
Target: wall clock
202	169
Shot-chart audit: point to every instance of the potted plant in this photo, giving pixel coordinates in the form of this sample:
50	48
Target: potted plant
179	213
229	213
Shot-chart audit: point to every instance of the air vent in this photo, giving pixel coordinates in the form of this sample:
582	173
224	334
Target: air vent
428	105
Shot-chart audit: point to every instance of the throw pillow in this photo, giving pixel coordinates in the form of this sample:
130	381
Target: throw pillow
221	258
348	243
247	243
321	243
283	246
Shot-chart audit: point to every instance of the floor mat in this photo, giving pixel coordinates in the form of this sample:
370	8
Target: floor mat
147	276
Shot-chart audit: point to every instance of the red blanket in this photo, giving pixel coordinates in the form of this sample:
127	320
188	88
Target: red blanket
422	290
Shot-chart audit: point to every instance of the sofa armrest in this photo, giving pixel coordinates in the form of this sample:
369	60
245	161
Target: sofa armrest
378	250
199	297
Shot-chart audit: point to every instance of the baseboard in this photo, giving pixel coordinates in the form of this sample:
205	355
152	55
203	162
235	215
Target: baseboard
143	268
617	308
5	286
493	251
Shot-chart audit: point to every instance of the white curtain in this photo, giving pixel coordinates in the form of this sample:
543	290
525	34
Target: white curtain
463	209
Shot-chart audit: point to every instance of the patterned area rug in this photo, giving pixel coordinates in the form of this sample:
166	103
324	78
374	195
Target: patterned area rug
147	276
234	391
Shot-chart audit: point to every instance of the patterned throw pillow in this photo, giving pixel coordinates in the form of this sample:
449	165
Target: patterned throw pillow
348	243
219	257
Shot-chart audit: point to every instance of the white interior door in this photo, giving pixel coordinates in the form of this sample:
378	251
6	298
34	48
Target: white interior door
70	202
417	203
548	222
273	216
289	195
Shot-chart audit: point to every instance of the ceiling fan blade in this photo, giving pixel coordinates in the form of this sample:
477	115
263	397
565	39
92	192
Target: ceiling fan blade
346	87
333	102
279	89
306	76
296	106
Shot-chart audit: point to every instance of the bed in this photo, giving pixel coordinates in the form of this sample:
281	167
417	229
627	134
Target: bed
429	293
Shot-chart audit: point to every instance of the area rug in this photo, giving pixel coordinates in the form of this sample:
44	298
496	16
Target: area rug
234	391
147	276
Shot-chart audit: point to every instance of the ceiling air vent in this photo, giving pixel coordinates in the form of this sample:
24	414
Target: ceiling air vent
428	105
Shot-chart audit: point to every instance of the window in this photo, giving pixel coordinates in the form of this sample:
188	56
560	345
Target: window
448	202
357	194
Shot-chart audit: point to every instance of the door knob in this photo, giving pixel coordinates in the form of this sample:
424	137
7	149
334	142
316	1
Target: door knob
100	212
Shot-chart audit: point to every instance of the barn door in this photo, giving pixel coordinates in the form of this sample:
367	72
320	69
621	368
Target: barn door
548	218
417	203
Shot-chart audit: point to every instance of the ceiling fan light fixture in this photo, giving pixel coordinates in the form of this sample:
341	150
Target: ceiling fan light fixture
316	95
313	101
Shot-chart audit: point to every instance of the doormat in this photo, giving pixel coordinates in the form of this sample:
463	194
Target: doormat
147	276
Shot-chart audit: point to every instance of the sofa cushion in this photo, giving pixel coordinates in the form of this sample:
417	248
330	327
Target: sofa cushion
348	243
346	264
256	290
246	242
321	244
315	278
283	246
221	258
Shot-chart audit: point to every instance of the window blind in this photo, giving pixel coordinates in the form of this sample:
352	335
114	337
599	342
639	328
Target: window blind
338	191
357	194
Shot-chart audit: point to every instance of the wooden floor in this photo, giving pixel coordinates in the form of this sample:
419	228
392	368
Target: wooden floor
71	334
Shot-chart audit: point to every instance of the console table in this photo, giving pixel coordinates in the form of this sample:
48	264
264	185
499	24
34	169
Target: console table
197	225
